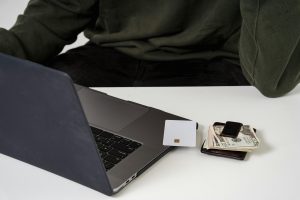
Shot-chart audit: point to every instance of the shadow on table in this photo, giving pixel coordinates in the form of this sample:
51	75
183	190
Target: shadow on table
264	147
200	136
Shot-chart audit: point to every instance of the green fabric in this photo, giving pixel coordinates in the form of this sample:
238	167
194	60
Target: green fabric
261	35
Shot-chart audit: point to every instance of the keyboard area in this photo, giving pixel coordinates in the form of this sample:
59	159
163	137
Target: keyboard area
113	148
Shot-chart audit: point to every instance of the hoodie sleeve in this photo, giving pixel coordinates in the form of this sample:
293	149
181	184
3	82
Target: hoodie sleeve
269	45
46	26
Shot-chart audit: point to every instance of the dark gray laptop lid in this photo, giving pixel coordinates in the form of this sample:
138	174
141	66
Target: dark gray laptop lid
42	123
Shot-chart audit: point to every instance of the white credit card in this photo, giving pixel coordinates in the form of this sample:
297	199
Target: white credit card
180	133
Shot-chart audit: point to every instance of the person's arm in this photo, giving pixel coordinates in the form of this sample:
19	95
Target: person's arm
46	27
270	45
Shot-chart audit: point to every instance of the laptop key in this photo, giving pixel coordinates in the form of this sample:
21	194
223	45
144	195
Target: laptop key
100	138
116	139
124	148
118	153
108	165
134	145
96	131
108	142
112	159
124	142
103	154
106	134
104	148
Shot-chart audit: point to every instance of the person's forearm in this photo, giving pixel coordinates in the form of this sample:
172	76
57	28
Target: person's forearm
46	27
269	45
9	44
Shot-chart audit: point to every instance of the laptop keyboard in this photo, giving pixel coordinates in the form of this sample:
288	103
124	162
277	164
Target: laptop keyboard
113	148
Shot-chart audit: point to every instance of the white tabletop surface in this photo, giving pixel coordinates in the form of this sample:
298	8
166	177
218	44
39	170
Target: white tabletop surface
271	172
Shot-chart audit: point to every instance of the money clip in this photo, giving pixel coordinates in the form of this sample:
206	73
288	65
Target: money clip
231	129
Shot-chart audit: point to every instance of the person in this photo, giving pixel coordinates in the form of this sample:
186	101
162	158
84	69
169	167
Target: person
164	42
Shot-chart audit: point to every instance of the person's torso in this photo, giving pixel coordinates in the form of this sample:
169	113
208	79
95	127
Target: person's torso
169	29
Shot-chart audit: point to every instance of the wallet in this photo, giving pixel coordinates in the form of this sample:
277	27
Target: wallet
239	155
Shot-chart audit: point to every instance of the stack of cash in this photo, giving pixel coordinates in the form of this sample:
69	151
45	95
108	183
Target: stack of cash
246	140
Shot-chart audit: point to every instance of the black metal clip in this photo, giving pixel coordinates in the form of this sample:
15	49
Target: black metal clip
231	129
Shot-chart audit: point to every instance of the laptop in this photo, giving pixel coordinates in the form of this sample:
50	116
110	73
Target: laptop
81	134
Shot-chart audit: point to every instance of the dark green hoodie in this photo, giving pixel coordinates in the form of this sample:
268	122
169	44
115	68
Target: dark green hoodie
262	35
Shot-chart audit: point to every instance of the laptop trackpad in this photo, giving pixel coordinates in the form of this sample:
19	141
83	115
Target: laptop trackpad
107	112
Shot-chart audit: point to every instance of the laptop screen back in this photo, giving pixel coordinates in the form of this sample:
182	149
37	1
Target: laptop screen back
42	123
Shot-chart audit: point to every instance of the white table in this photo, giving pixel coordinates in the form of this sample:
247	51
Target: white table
272	172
